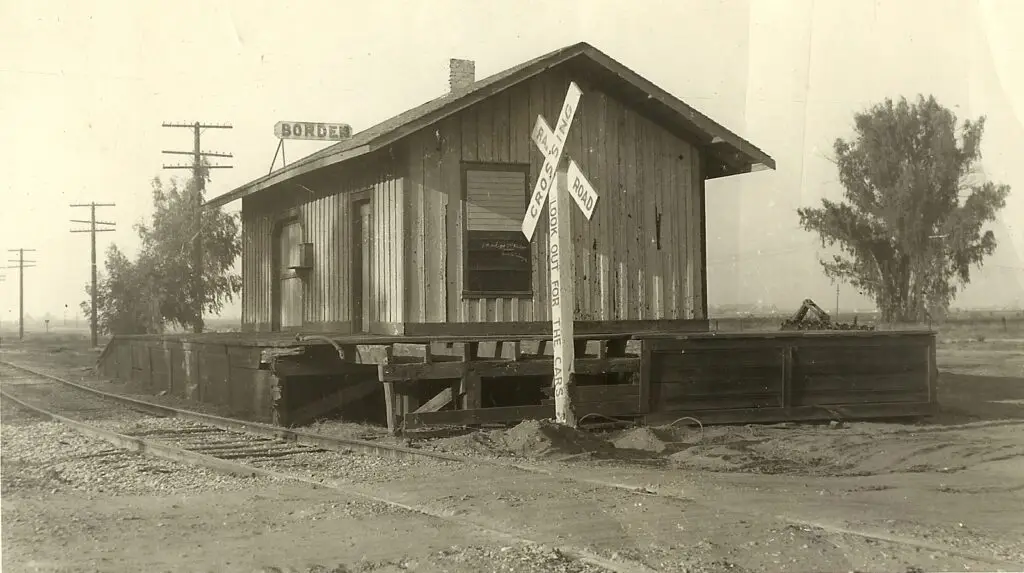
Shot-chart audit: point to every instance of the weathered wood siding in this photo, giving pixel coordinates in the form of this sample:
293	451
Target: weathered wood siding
215	373
387	278
327	222
648	180
790	375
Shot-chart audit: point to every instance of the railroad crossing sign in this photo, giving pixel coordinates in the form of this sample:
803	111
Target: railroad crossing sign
567	179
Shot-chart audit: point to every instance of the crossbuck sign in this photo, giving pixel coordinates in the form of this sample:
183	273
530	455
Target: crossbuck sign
566	178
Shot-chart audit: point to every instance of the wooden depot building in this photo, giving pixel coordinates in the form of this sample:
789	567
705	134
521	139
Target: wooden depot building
388	273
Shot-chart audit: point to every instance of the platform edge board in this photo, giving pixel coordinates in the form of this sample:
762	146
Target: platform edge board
500	368
798	413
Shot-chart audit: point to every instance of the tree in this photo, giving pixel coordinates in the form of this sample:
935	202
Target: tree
167	240
125	296
910	228
157	289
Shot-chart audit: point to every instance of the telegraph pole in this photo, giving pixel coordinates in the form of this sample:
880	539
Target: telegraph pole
22	265
92	230
199	180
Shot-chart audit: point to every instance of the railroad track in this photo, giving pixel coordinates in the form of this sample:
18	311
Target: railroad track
251	448
231	446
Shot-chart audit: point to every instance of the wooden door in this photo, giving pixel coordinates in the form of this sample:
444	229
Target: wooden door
288	302
361	263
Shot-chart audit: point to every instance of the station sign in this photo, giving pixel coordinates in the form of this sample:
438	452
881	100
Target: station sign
312	131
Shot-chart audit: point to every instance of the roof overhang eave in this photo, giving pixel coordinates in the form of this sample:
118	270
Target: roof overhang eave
286	173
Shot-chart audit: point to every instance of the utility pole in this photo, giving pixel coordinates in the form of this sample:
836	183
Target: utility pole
837	300
22	265
199	180
92	230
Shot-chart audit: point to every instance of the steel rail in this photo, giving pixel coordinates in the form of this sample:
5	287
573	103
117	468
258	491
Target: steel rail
332	443
181	455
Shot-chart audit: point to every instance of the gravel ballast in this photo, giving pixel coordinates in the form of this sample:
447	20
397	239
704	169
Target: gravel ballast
47	457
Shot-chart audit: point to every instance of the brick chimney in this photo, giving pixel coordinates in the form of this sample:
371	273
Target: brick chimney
461	73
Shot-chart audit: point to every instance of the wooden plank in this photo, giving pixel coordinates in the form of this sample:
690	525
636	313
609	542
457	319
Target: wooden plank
193	371
646	195
157	359
450	195
802	339
501	368
389	407
788	381
646	360
442	399
485	132
607	393
593	328
598	164
828	398
398	253
862	382
703	235
500	133
480	416
160	380
179	374
609	408
213	375
719	360
432	233
699	402
691	248
472	390
343	277
261	393
514	414
799	413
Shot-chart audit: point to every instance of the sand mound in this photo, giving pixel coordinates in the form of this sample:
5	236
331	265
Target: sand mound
681	434
544	438
714	458
640	439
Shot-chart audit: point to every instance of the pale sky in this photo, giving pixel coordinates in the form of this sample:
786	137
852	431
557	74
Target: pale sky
84	87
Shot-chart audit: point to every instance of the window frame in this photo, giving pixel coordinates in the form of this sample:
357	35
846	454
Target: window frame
513	167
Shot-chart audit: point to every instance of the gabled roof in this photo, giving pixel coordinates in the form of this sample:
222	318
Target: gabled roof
732	153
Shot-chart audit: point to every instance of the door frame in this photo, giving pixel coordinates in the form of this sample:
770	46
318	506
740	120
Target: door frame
358	298
282	220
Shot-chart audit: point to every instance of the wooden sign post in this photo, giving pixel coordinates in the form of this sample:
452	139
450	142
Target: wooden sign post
567	180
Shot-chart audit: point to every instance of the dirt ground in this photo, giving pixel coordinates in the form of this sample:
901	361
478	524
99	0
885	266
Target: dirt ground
745	498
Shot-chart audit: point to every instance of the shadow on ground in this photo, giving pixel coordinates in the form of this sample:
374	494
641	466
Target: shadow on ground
965	398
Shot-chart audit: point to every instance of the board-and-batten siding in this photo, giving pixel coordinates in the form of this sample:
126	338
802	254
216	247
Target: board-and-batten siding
327	223
646	178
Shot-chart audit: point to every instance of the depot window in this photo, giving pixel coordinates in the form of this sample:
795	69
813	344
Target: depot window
498	258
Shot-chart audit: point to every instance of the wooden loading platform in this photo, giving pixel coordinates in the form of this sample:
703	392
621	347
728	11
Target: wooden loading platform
414	382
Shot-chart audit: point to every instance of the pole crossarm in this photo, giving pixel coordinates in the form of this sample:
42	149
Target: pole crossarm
203	167
199	172
202	153
199	125
91	222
